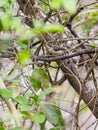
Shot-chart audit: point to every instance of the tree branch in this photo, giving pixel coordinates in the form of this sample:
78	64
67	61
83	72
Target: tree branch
66	56
11	106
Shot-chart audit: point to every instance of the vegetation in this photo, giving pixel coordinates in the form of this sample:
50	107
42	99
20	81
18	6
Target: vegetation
48	65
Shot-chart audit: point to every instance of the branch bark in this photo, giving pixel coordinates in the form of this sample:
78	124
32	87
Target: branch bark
89	95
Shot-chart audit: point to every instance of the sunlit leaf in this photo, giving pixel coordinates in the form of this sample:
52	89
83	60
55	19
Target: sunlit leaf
16	24
54	28
5	93
23	57
39	27
84	107
6	21
21	100
55	4
3	2
24	106
26	114
70	5
39	118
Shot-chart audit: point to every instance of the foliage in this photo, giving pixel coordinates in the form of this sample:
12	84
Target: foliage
34	38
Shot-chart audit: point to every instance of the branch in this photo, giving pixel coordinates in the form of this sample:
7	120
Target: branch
88	94
66	56
11	106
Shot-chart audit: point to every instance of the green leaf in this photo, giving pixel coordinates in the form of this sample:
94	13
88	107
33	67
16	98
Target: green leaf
17	128
55	128
53	115
23	43
21	100
26	114
3	2
53	28
35	98
5	93
70	5
39	79
1	26
24	106
55	4
94	45
11	1
39	27
45	92
50	27
2	128
23	57
6	2
4	44
50	113
6	21
39	118
36	84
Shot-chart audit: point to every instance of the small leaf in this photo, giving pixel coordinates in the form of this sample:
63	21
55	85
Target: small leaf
23	43
6	21
39	118
55	128
17	128
53	28
50	113
39	27
23	57
26	114
55	4
3	2
36	84
24	106
21	100
70	5
53	114
39	79
35	98
45	92
5	93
